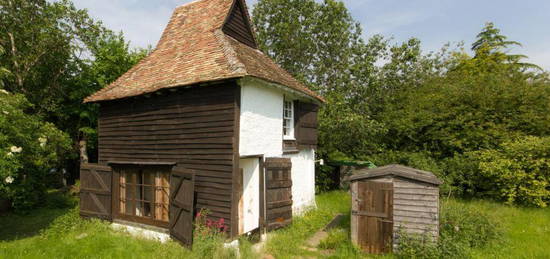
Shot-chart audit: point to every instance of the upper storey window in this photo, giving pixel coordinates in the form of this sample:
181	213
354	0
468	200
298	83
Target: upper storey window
288	119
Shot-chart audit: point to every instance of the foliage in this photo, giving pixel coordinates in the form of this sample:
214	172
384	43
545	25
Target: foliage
55	55
461	229
518	172
29	148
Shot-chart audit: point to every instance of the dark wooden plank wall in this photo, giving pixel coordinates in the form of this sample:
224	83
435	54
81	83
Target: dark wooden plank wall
238	27
193	127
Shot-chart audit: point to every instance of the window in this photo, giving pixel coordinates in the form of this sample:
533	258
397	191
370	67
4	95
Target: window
144	193
288	119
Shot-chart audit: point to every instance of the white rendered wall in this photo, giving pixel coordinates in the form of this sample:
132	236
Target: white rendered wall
261	133
251	194
261	122
303	180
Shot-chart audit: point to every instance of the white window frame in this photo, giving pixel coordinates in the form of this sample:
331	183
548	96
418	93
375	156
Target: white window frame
289	118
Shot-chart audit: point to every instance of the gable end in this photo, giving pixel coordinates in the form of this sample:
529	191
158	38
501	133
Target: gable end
237	25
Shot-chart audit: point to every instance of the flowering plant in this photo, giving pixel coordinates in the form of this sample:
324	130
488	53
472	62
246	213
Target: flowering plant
205	226
29	148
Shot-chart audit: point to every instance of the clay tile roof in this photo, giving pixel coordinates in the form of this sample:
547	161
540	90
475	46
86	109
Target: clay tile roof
194	49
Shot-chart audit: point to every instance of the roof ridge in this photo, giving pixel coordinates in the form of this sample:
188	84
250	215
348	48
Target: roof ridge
234	63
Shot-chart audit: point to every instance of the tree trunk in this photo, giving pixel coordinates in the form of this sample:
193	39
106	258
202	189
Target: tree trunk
83	151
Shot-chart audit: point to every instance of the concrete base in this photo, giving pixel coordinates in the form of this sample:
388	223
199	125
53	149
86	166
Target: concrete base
148	232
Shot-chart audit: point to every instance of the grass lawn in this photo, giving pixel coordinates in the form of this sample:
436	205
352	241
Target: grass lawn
56	231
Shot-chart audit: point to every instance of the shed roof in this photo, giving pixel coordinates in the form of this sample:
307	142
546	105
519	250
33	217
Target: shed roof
399	171
194	49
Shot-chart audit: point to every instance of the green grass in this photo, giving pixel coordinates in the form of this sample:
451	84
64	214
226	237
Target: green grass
51	232
56	231
525	232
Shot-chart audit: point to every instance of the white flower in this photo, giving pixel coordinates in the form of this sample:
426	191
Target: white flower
5	112
42	141
4	91
9	179
9	154
15	149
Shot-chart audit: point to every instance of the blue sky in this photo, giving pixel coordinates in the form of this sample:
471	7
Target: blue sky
434	22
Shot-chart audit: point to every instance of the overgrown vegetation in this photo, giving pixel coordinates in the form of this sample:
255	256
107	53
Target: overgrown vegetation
455	112
461	229
52	55
29	149
57	231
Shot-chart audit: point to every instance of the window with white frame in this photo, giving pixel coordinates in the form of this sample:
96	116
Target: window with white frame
288	119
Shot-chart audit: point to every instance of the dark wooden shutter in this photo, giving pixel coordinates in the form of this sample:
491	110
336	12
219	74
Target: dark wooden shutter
374	213
278	183
182	196
305	120
95	191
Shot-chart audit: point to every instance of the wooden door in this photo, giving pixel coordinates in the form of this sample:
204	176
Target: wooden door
95	191
278	192
182	200
374	216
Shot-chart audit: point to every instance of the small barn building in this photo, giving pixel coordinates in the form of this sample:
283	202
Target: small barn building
206	121
390	200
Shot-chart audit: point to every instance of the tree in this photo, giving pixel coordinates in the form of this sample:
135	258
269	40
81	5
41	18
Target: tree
57	56
322	46
491	44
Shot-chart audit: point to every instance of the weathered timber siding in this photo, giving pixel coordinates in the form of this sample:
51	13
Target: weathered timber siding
237	25
415	207
193	127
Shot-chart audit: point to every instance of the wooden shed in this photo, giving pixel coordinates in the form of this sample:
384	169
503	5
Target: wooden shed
390	200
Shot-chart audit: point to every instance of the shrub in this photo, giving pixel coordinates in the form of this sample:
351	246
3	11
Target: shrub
519	172
29	148
461	228
209	236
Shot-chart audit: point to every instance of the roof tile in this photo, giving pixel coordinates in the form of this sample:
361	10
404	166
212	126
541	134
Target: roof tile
194	49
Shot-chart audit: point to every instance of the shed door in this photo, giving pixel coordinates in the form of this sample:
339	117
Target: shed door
374	212
182	196
278	193
95	191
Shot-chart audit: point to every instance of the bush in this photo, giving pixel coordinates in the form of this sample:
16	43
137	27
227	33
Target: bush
461	228
29	148
518	172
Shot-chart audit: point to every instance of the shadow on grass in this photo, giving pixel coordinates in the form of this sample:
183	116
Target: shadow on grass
14	226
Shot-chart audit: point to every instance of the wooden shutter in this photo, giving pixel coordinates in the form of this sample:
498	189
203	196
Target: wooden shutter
278	184
182	200
95	191
305	121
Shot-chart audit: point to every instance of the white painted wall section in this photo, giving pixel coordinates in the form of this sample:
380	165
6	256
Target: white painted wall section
250	213
303	180
261	122
261	133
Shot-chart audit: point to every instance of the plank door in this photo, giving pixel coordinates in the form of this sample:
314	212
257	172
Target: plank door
374	216
182	200
95	191
278	192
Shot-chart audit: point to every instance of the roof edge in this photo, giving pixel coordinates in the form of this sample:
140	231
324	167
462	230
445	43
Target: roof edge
252	79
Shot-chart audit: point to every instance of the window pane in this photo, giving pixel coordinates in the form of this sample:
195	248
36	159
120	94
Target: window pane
146	209
148	193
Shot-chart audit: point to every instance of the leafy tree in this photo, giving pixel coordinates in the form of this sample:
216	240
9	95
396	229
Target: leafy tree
57	56
491	44
29	149
322	45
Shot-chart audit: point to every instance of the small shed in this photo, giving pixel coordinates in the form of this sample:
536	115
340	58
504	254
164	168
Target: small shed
389	200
